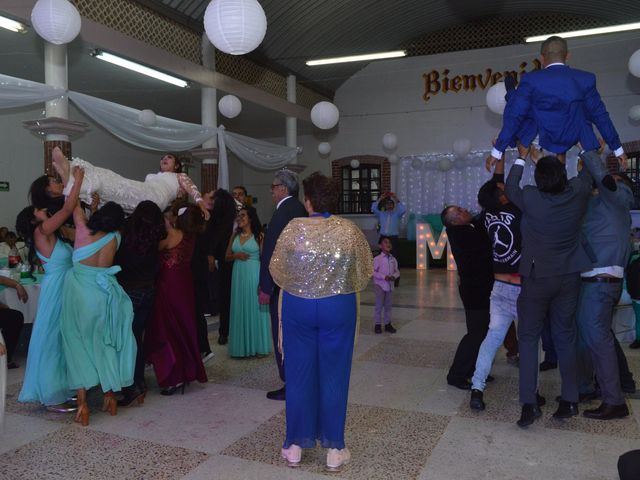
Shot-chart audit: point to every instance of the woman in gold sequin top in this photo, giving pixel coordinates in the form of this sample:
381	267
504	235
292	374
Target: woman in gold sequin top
320	263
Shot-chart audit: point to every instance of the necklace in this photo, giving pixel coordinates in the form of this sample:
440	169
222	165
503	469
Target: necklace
245	235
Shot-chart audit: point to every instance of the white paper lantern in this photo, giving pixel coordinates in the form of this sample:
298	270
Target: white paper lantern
416	164
147	118
390	141
634	113
230	106
355	163
325	115
235	26
393	159
57	21
461	147
495	98
445	165
634	64
324	148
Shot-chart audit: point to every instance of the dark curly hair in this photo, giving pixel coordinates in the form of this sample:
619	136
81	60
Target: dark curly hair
25	226
254	223
321	191
191	220
144	229
108	218
223	215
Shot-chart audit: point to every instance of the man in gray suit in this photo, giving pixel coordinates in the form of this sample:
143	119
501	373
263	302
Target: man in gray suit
553	256
606	226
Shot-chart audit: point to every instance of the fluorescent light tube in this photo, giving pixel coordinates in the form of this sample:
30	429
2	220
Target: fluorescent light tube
357	58
136	67
12	25
589	31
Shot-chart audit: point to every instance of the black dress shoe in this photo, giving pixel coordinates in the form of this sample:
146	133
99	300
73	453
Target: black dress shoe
476	402
529	413
607	412
635	344
222	340
566	409
276	394
544	366
377	329
461	384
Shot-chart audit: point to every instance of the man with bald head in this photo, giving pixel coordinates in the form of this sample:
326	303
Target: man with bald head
565	104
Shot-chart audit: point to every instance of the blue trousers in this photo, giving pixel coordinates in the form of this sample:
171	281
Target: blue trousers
318	337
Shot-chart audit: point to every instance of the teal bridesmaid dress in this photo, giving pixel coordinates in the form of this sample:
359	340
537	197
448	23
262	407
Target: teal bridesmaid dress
250	323
96	319
45	378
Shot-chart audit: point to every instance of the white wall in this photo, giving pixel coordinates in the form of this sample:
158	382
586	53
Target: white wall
21	157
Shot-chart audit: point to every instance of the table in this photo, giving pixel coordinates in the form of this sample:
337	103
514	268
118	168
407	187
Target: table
9	297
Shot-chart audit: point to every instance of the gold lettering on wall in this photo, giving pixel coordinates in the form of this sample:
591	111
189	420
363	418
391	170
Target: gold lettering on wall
439	82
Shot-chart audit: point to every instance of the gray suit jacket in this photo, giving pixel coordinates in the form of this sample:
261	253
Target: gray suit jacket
551	223
608	223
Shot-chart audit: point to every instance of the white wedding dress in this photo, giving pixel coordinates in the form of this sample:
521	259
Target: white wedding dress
162	188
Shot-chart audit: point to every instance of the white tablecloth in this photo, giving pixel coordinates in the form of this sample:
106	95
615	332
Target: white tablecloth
9	297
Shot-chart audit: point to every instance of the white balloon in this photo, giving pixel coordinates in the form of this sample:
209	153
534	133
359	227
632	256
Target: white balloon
235	26
634	113
355	163
445	164
147	118
57	21
416	164
230	106
393	159
324	148
634	64
495	98
390	141
461	147
325	115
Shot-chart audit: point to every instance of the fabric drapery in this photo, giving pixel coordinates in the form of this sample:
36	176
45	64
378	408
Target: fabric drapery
17	92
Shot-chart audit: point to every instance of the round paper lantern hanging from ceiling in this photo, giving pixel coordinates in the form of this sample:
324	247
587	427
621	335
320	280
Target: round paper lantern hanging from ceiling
235	27
57	21
390	141
495	98
324	148
230	106
325	115
147	118
634	113
634	64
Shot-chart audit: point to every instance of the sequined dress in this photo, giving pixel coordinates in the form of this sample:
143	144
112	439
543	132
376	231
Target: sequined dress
250	323
171	341
162	188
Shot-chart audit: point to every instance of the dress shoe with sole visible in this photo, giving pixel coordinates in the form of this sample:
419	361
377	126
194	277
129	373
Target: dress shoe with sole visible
544	366
607	412
292	455
377	329
276	394
566	409
461	384
529	414
337	458
476	402
389	328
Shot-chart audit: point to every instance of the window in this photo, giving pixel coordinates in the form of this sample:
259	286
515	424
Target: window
633	170
360	188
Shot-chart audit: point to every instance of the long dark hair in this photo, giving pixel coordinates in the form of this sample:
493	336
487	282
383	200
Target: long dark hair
254	222
223	215
108	218
191	221
144	229
25	226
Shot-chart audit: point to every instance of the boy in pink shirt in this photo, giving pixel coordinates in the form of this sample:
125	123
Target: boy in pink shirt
385	273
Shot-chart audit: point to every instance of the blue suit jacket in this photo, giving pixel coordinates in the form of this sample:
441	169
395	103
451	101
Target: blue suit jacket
564	102
528	128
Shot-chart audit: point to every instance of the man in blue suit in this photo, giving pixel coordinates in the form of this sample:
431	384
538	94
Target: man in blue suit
564	102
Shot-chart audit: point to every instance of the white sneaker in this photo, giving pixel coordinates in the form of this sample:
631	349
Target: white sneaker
337	458
292	455
207	357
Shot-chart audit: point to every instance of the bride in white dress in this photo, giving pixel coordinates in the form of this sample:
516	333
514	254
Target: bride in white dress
162	188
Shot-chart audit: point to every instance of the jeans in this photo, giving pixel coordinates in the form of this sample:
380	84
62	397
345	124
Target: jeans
503	309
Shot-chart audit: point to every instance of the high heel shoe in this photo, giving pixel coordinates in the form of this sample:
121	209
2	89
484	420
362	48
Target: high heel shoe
110	404
171	390
82	416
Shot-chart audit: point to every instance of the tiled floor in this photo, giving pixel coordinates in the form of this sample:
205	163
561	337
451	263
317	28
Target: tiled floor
404	422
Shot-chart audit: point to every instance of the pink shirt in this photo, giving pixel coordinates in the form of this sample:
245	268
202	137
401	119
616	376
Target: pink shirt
385	265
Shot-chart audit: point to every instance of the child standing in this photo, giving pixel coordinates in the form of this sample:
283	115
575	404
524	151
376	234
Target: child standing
385	273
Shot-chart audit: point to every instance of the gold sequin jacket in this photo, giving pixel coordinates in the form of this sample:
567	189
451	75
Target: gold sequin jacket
319	257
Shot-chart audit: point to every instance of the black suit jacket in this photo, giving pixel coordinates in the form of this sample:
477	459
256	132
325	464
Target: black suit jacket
290	208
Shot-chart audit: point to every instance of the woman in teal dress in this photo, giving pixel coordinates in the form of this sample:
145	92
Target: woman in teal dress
45	378
250	325
97	315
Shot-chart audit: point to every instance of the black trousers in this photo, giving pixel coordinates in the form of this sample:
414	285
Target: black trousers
201	290
225	269
142	300
475	297
11	322
275	329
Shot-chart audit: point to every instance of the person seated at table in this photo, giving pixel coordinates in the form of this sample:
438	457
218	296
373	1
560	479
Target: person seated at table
45	379
11	321
10	241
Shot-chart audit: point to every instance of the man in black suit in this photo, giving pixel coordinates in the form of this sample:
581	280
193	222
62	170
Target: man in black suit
553	255
284	193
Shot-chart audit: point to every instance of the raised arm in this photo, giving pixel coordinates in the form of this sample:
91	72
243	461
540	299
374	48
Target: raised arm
607	186
512	186
187	185
52	224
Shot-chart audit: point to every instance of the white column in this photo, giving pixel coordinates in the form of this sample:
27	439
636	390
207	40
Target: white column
56	74
208	105
292	124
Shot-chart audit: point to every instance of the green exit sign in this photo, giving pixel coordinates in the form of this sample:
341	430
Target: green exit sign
4	186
